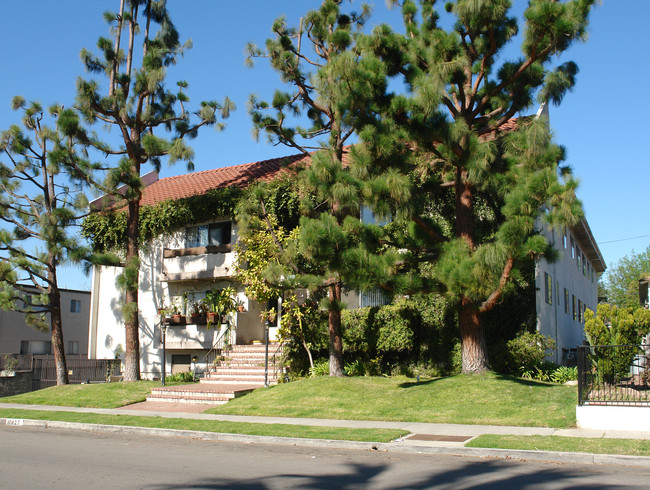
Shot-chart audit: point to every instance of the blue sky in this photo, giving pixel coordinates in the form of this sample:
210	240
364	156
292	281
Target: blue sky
602	123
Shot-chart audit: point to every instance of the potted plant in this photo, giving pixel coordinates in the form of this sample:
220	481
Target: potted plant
176	316
220	303
195	313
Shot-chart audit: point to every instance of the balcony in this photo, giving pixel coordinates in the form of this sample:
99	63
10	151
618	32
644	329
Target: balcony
186	264
191	336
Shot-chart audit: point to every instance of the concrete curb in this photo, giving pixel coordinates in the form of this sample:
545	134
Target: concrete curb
398	446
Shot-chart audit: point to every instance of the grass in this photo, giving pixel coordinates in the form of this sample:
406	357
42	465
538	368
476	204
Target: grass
489	399
100	395
279	430
465	399
631	447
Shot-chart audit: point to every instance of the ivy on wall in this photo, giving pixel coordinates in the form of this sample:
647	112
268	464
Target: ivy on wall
106	230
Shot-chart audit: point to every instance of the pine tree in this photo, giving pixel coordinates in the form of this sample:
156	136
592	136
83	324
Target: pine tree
480	182
332	85
41	207
139	106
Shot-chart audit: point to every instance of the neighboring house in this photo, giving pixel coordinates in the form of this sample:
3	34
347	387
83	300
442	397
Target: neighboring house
16	337
644	292
567	287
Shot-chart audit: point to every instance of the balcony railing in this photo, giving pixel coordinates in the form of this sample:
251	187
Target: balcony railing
614	375
209	262
192	336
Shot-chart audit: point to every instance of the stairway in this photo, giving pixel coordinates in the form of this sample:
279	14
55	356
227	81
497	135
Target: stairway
238	371
244	364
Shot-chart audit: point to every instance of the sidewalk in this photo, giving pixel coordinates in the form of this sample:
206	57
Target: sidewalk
423	437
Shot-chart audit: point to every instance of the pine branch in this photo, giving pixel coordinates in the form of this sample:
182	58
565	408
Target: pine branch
494	298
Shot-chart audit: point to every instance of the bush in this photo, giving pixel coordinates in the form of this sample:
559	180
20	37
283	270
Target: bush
563	374
395	330
527	351
185	377
355	368
414	334
321	368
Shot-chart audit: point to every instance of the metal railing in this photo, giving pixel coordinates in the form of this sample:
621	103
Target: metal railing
614	375
217	348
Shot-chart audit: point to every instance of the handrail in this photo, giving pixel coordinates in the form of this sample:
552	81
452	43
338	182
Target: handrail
275	355
218	344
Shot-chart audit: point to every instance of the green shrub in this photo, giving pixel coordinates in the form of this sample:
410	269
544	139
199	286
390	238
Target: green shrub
395	328
359	332
321	368
528	351
355	368
185	377
563	374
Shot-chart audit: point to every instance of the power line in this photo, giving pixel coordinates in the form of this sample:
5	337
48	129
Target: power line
624	239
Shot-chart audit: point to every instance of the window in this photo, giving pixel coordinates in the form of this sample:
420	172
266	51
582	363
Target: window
580	311
566	301
573	248
564	238
35	347
573	301
208	235
73	347
584	265
75	306
374	297
548	289
579	254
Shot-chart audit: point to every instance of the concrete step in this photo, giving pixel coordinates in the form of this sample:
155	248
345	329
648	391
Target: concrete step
188	399
254	347
238	378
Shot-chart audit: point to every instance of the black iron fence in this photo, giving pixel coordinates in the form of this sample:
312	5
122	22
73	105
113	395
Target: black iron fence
614	375
80	370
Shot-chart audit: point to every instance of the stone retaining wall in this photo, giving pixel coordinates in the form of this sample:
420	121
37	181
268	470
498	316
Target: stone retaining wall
21	382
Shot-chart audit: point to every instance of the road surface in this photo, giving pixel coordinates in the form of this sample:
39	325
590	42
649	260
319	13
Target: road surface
38	458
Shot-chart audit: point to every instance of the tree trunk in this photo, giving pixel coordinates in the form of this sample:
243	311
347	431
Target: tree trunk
334	326
57	337
474	345
131	322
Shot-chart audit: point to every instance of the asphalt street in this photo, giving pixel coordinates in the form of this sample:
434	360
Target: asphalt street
37	458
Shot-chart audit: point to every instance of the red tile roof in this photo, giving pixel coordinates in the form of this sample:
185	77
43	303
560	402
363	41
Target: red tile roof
197	183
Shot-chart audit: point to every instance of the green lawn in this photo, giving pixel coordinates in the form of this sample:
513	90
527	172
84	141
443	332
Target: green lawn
280	430
480	399
465	399
100	395
632	447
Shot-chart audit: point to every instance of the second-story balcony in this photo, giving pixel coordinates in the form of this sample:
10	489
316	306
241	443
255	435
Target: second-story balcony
186	264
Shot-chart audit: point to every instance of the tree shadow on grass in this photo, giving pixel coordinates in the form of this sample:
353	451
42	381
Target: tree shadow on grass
493	375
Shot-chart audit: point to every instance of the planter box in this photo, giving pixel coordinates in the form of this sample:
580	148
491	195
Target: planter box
196	320
175	320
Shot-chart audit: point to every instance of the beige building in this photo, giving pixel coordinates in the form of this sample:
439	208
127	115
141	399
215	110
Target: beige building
16	337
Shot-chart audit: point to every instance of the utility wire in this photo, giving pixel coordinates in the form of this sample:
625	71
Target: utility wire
624	239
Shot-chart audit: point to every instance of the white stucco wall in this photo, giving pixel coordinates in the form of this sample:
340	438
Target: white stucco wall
107	327
552	319
613	418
